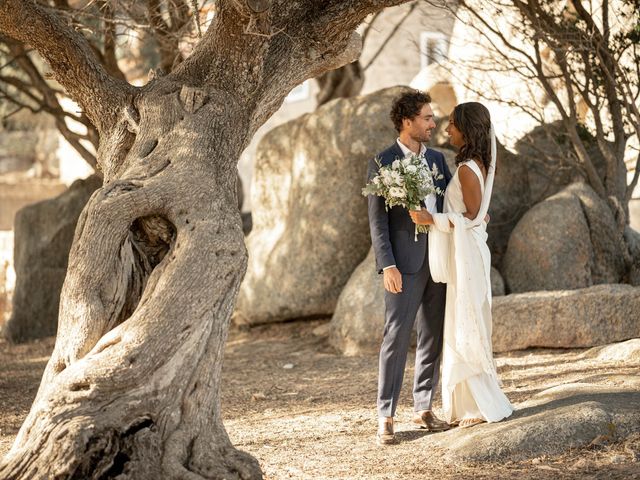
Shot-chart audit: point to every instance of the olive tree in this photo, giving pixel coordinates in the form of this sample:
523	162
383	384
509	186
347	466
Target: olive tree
132	387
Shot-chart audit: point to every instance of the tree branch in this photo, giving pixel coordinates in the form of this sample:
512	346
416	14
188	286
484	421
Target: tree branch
109	34
74	140
70	57
397	26
168	34
22	87
20	104
278	48
634	181
367	30
608	66
49	102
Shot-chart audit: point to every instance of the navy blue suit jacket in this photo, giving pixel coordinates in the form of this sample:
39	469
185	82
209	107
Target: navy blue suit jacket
392	232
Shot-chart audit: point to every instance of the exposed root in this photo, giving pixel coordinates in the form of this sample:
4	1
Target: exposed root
76	450
195	461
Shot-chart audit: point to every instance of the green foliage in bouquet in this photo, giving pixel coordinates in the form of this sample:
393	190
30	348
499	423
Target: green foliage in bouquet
405	182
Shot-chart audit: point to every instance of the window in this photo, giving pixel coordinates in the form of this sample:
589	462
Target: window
433	48
301	92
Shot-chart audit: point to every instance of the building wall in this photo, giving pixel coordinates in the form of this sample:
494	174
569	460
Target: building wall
403	58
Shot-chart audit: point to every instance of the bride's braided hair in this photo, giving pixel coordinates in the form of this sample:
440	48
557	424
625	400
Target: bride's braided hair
474	122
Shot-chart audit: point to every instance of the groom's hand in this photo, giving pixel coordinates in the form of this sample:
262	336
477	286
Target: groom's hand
392	280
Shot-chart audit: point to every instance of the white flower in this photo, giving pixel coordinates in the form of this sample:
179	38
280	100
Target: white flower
396	192
397	178
403	178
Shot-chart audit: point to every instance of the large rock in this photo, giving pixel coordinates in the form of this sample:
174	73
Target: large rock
627	352
43	235
310	225
552	423
568	241
632	238
497	283
544	152
358	322
559	319
550	248
17	195
609	247
566	319
595	410
509	202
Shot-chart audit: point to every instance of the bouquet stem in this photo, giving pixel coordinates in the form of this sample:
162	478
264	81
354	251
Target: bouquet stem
419	228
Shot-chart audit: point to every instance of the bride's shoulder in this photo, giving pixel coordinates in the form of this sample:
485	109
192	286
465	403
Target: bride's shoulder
464	163
470	164
469	172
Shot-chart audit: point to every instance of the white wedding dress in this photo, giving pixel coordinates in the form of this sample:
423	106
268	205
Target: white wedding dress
461	257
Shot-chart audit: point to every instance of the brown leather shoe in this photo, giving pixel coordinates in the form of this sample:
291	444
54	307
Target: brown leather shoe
385	435
430	422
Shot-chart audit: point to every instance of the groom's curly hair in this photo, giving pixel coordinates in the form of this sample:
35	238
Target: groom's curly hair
408	105
474	122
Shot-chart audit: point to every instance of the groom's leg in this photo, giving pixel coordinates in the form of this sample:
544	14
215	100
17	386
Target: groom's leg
400	314
429	329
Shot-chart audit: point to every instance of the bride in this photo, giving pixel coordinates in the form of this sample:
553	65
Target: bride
459	256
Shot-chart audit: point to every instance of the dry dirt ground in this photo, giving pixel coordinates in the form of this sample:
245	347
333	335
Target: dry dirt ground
306	412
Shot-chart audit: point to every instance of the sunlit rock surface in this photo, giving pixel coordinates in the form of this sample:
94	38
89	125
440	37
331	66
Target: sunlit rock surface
310	223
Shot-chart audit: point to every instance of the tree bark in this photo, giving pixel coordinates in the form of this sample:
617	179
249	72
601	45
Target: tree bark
344	82
133	383
132	387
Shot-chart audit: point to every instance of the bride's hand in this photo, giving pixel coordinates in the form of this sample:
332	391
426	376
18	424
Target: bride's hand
421	217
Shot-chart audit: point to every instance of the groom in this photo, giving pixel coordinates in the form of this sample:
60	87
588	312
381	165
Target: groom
410	296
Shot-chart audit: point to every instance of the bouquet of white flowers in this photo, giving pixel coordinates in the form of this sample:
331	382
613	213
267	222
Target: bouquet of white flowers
405	182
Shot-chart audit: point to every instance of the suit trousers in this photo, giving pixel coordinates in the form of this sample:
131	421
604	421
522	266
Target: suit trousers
421	302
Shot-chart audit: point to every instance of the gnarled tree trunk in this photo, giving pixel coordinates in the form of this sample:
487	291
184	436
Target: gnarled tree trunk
132	387
158	255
